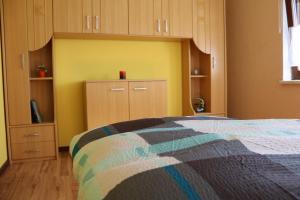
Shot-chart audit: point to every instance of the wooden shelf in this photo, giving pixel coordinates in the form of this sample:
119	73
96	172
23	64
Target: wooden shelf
198	76
42	79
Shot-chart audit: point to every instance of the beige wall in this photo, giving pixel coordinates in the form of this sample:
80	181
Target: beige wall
255	63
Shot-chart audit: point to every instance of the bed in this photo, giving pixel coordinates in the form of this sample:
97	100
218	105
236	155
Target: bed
189	158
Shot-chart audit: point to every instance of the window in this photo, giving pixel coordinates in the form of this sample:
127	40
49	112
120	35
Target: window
291	36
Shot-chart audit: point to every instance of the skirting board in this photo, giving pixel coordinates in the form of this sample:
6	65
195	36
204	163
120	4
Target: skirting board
63	149
4	167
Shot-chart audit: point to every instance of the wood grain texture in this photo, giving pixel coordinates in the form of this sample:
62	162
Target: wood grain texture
87	16
114	16
141	17
147	99
106	103
181	18
201	24
17	70
39	14
218	71
47	180
32	134
96	15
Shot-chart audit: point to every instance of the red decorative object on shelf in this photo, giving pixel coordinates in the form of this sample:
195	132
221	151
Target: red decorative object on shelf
122	75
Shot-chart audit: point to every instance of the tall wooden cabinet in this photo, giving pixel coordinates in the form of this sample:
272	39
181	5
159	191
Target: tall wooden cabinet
26	47
206	55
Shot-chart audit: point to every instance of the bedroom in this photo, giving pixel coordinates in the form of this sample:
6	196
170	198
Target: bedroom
84	84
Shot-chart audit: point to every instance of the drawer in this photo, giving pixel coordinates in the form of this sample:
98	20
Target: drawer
33	150
32	134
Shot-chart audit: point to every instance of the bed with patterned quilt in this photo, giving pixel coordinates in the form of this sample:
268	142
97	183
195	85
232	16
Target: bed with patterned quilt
189	158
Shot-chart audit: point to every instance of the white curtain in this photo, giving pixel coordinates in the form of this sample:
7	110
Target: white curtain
295	45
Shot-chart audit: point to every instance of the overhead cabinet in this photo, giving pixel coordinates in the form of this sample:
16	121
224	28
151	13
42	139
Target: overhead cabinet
91	16
161	18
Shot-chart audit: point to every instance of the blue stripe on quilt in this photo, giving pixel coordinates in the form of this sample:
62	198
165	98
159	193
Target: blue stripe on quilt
182	183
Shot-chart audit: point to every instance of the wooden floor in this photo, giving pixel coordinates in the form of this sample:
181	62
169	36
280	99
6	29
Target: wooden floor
43	180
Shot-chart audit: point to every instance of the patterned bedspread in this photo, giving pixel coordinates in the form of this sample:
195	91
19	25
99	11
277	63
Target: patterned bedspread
189	158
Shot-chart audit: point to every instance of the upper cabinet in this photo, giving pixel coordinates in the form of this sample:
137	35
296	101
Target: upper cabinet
181	18
141	17
91	16
68	16
39	22
201	25
114	16
161	18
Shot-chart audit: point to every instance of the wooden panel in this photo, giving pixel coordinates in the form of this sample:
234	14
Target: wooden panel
181	18
147	99
141	17
158	17
218	56
87	18
68	16
60	16
33	150
114	16
75	16
96	15
16	52
165	18
42	93
32	134
201	24
39	14
106	103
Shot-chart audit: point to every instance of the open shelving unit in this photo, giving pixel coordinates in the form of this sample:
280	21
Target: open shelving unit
42	88
198	85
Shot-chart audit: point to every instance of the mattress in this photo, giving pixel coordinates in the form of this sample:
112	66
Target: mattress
189	158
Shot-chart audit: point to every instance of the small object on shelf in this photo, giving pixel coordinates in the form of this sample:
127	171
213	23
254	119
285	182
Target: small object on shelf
42	70
122	75
35	114
199	105
295	73
195	72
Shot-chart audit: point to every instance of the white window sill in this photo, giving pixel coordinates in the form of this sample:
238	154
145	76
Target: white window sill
291	82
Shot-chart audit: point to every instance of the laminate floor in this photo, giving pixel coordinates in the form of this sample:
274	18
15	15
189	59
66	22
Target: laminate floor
41	180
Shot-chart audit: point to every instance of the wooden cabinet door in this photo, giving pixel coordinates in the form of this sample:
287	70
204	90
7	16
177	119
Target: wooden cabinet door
201	24
114	16
17	71
181	18
141	17
218	71
147	99
106	103
68	16
87	18
39	20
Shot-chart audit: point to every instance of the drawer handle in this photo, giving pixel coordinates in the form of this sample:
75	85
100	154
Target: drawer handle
117	89
31	151
32	135
140	88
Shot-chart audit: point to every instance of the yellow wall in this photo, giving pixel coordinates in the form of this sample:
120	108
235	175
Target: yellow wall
255	63
3	149
79	60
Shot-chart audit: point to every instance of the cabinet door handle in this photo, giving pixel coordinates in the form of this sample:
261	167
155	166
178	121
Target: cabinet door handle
214	62
166	26
23	60
97	22
88	22
140	88
158	25
117	89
